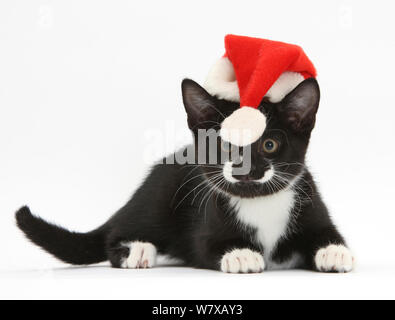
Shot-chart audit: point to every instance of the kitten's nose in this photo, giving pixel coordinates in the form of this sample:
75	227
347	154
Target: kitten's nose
247	177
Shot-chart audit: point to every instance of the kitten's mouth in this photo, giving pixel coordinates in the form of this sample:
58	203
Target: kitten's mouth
252	185
246	178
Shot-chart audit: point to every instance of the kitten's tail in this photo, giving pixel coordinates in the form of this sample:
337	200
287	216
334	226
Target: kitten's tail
70	247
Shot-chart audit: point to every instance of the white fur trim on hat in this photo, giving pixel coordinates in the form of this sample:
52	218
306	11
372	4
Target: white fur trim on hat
243	127
221	82
284	84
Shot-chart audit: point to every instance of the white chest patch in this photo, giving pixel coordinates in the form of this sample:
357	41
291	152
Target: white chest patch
269	215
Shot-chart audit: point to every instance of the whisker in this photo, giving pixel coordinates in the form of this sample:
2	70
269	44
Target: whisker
207	193
216	186
194	177
212	178
203	182
298	188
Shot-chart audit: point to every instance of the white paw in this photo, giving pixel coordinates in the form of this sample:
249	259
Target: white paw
141	255
335	258
242	261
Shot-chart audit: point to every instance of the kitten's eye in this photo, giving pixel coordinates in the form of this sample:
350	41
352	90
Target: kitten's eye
270	145
227	147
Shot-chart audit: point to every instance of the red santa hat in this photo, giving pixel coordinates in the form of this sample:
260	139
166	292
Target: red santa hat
250	70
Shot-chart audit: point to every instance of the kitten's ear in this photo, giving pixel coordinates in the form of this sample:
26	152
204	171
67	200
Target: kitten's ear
199	105
300	106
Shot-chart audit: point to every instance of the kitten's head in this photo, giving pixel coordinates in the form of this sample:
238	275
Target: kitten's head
274	161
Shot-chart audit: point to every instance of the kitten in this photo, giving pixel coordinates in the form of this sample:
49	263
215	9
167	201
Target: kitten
271	217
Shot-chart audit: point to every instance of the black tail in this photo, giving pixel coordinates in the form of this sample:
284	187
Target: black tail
70	247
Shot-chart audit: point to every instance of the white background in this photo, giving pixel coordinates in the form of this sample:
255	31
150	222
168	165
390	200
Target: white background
84	84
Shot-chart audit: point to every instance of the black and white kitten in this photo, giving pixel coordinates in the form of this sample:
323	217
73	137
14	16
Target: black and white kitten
209	217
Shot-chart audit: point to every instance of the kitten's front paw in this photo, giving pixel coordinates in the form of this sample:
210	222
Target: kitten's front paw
141	255
242	261
334	258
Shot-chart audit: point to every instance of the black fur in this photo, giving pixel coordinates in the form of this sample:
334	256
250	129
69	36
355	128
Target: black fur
173	210
70	247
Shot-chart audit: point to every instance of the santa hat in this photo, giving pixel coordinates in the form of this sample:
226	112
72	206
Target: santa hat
250	70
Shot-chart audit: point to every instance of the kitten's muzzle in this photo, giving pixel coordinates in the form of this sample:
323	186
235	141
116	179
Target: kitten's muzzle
254	175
